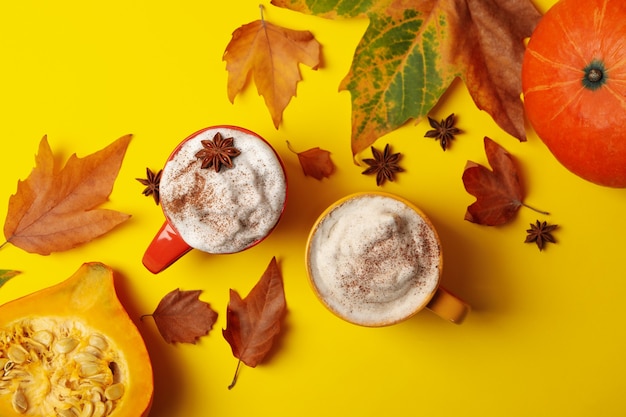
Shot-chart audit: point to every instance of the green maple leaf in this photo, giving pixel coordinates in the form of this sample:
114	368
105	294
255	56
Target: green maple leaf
412	50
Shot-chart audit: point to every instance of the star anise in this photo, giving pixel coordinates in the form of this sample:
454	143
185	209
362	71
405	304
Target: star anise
443	131
152	184
217	152
540	233
384	165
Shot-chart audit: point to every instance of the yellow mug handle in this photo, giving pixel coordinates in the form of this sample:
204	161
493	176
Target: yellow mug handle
448	306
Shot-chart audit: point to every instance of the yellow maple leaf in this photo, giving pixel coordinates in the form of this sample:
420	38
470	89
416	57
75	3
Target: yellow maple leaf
272	54
54	209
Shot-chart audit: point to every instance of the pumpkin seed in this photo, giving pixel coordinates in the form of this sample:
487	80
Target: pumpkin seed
17	354
92	350
109	407
99	410
66	413
73	403
87	410
44	337
101	378
114	392
16	374
82	357
88	369
98	341
65	345
19	402
97	394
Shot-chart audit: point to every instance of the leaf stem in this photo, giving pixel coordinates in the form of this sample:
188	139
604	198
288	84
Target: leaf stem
535	209
4	244
232	384
261	8
290	148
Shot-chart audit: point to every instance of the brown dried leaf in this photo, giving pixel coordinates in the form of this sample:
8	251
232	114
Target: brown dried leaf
182	318
498	193
54	208
272	54
412	51
253	323
315	162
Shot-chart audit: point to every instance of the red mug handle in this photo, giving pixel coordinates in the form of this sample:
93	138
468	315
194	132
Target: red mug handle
166	247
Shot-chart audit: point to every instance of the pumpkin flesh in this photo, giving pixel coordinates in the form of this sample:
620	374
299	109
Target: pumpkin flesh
71	348
574	86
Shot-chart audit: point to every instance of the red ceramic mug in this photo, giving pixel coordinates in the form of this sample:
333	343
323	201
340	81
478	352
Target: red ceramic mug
211	206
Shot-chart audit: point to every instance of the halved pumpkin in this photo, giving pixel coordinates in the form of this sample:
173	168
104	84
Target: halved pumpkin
71	350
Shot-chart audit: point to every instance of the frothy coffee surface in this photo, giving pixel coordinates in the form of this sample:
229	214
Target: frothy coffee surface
226	211
374	260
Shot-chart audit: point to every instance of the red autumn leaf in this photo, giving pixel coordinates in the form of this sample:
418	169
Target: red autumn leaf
54	208
253	323
272	54
182	317
315	162
498	193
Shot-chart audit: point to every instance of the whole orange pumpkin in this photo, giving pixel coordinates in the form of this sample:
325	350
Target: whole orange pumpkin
574	85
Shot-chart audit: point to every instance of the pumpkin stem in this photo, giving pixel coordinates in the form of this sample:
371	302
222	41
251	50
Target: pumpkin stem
595	75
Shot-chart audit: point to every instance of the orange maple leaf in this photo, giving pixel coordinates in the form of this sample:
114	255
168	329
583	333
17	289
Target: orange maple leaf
54	208
272	53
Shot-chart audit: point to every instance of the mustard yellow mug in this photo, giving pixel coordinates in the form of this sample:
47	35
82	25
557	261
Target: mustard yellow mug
374	259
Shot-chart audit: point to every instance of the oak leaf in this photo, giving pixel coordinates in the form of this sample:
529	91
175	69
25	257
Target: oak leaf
253	323
54	209
272	54
315	162
181	317
7	274
413	50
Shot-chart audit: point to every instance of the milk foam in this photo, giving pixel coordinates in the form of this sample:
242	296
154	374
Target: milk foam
226	211
374	260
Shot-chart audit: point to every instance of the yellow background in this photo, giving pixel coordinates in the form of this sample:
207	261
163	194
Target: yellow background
546	334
